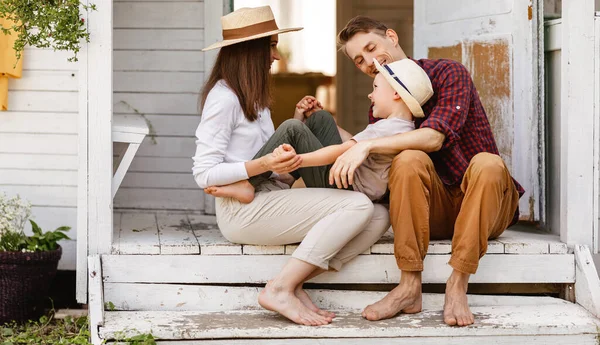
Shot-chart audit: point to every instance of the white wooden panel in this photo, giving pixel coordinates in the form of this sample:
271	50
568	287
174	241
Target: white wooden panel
172	297
44	195
159	61
157	180
116	245
147	103
156	39
46	81
159	164
249	249
155	15
139	234
147	198
25	122
38	178
445	11
176	235
68	260
169	82
212	243
174	125
505	320
50	218
587	283
65	144
43	101
48	59
40	161
181	147
373	269
96	299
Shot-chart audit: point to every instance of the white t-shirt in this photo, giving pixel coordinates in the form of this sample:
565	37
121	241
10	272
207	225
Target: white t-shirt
371	177
226	139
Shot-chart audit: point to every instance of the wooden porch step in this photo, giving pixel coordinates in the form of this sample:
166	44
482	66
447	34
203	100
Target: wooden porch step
534	320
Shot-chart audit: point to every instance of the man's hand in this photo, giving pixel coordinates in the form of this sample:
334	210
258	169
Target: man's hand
306	107
342	171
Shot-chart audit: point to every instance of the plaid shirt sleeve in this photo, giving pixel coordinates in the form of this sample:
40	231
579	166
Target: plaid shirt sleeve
454	96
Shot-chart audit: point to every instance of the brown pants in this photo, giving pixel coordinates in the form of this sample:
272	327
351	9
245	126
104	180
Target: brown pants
422	207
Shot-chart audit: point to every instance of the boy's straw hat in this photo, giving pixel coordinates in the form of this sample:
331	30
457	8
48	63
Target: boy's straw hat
410	81
247	24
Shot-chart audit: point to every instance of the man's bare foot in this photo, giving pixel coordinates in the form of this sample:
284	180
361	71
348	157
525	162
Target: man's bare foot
242	191
406	297
456	306
274	298
305	299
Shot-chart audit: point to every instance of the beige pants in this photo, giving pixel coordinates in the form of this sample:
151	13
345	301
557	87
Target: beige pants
333	226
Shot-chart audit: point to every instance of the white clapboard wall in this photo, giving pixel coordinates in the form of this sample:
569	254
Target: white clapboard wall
158	72
38	142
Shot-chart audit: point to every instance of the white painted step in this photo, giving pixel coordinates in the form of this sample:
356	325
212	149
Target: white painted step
553	320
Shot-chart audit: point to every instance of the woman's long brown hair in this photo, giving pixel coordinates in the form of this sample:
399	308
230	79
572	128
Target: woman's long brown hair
245	68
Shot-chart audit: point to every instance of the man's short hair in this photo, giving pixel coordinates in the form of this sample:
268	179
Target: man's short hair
360	24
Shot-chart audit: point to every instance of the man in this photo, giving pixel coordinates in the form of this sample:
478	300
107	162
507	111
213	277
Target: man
447	180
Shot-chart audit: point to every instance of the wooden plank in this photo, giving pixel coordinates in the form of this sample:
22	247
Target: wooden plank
160	61
587	283
63	144
157	39
176	235
368	269
49	60
42	161
158	180
181	147
116	245
156	198
139	234
209	237
167	82
585	339
68	260
595	248
46	81
96	299
174	125
157	104
386	246
505	321
35	178
51	101
32	122
60	196
155	15
50	218
577	137
248	249
158	164
173	297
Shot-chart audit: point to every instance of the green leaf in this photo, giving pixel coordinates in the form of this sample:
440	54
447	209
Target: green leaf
36	229
7	332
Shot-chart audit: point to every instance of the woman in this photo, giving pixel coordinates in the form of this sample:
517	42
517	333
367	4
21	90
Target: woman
333	226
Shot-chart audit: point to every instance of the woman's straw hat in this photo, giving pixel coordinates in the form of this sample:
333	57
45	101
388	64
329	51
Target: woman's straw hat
247	24
410	81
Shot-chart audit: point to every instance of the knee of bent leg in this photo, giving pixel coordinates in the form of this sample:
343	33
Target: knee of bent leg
321	116
409	161
290	125
361	203
488	166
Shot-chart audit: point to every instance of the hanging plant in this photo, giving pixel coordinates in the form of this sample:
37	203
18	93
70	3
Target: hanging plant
56	24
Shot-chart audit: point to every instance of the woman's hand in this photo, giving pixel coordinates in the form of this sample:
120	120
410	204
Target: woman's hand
283	160
342	171
306	107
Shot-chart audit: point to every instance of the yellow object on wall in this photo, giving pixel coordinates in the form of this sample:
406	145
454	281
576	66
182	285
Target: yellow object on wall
8	59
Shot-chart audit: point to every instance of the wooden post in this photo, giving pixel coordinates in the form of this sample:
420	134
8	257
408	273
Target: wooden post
94	201
577	199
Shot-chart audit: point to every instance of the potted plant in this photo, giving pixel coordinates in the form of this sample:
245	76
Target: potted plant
28	264
56	24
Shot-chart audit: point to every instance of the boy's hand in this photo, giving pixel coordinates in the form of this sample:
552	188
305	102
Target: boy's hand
284	149
306	107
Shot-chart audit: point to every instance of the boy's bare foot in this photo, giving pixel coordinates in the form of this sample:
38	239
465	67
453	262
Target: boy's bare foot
305	299
406	298
242	191
456	306
286	303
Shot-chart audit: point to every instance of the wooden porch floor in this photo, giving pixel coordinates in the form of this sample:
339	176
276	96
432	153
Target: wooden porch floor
177	233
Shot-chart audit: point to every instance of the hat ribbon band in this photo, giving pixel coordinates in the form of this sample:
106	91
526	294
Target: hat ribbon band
250	30
393	75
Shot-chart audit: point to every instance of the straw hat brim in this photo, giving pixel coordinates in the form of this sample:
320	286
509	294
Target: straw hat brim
225	43
411	102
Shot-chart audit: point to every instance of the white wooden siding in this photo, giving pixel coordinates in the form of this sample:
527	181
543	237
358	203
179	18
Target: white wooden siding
158	72
38	142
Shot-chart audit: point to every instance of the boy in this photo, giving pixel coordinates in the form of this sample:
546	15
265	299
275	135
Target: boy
399	90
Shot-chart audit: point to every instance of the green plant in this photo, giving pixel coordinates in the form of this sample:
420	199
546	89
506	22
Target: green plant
14	212
39	241
53	24
47	330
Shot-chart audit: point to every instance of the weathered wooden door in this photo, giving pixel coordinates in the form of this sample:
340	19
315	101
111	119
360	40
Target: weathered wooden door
499	43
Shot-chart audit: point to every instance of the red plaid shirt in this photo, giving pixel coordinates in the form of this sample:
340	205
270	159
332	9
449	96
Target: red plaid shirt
456	111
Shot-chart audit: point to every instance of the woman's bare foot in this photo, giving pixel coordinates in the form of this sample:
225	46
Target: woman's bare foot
456	306
242	191
305	299
275	298
406	297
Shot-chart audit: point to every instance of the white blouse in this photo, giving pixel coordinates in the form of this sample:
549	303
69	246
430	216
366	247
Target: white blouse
226	139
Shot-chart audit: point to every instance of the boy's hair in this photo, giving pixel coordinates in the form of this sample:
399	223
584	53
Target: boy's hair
360	24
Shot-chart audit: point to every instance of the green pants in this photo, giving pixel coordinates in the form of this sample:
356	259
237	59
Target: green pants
319	131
